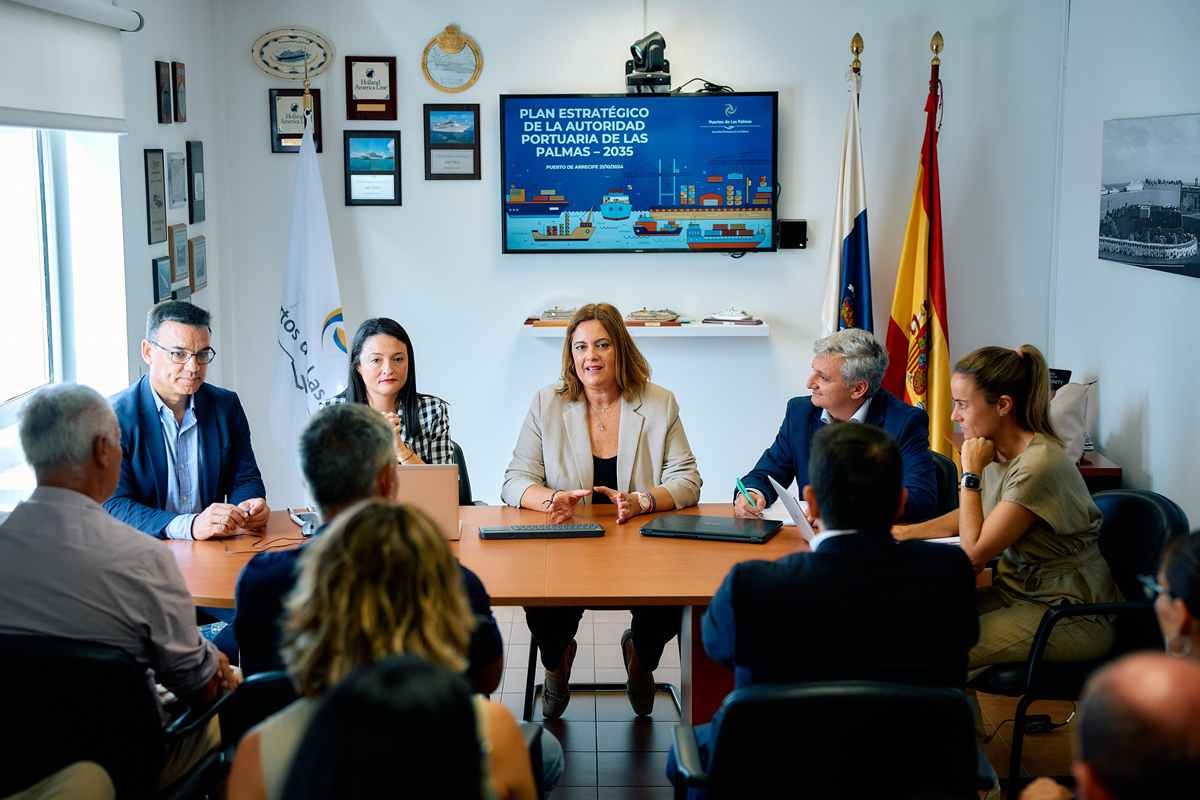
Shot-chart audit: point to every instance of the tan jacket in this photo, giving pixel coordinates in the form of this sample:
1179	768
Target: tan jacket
555	450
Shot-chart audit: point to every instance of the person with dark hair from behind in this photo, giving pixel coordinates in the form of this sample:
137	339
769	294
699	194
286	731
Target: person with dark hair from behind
1138	735
1176	595
379	582
905	610
383	376
407	727
346	455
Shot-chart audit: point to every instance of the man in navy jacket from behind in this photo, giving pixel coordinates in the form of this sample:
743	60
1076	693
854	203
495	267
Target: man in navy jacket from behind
188	470
848	369
860	605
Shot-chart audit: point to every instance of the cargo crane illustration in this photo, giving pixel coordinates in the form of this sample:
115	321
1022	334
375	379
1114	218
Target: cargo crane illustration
742	161
654	169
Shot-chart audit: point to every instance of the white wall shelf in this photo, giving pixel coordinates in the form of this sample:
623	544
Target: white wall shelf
667	332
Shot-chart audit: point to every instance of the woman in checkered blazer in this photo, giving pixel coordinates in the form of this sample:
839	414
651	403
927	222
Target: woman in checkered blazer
383	374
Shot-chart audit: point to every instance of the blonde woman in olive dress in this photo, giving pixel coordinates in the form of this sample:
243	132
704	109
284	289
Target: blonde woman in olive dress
1022	499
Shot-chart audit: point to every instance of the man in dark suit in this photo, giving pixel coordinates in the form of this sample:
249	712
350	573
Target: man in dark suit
188	470
860	605
346	454
848	369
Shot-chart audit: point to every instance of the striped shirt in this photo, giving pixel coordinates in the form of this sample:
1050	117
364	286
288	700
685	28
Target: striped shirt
432	442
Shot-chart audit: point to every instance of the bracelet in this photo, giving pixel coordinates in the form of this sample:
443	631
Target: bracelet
550	502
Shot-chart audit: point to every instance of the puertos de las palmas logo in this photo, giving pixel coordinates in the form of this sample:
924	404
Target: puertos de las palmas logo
333	332
730	109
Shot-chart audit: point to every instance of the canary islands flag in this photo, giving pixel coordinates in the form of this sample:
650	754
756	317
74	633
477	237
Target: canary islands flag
310	354
847	302
918	341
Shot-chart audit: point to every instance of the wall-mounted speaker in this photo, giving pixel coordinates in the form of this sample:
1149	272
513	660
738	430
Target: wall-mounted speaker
793	234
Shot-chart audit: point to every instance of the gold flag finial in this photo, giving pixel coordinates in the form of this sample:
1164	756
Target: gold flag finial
856	47
937	44
308	101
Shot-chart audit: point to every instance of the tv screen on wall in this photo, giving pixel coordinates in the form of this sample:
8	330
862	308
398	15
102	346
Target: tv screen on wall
615	173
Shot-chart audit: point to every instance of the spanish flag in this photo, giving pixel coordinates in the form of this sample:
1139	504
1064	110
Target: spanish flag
917	338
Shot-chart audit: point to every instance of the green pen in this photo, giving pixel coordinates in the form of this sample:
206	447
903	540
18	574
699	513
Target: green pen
746	494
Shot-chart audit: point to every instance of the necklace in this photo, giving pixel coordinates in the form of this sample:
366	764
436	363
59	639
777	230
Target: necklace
602	411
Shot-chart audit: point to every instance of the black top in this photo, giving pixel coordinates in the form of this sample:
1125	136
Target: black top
604	473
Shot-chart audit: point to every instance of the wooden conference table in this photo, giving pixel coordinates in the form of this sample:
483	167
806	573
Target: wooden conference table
622	568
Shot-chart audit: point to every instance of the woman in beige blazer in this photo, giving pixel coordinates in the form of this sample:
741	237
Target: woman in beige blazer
601	434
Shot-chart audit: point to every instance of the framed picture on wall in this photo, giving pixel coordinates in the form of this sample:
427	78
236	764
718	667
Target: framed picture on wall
180	95
372	168
452	142
177	180
198	259
287	119
162	81
195	182
161	269
177	245
156	196
370	87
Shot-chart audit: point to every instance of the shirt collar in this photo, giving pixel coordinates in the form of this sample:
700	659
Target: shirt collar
859	416
821	538
60	496
158	402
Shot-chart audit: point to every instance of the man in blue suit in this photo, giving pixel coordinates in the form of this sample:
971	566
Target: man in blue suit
188	471
848	369
860	605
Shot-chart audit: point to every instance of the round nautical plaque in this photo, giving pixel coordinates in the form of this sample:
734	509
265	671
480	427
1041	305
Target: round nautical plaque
282	53
451	62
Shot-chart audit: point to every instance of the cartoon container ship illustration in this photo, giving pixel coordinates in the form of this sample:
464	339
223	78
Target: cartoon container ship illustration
560	233
615	205
535	203
647	225
723	237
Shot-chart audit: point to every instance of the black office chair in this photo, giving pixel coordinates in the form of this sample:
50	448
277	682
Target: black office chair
824	740
947	483
65	700
1137	526
260	695
464	480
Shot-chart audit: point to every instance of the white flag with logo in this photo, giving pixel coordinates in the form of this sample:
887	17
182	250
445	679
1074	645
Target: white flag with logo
310	353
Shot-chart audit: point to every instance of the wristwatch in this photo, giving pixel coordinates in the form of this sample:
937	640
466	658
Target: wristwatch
971	481
643	501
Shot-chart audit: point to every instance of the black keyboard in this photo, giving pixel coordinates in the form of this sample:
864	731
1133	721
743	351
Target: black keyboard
573	530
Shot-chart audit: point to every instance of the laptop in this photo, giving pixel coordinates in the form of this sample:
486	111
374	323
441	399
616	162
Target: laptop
433	488
716	529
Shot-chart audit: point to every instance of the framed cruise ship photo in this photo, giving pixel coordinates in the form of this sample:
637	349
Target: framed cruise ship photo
1150	193
372	168
452	142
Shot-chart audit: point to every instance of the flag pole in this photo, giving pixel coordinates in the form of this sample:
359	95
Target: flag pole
856	47
936	44
308	101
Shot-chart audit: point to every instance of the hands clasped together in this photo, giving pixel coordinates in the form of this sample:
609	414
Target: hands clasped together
224	519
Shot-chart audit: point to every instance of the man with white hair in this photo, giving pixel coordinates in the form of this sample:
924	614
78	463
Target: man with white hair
848	368
68	569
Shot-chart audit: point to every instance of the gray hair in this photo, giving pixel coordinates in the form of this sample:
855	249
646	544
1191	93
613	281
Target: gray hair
343	448
176	311
59	426
866	357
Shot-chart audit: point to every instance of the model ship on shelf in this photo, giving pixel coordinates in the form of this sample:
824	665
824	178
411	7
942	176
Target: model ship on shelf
649	318
552	318
732	316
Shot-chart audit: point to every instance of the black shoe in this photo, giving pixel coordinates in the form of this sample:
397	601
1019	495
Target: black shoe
556	691
640	687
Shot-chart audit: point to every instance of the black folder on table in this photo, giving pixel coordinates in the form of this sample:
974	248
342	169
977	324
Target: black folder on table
717	529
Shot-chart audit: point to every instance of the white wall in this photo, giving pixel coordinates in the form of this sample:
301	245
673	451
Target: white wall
435	263
176	30
1133	329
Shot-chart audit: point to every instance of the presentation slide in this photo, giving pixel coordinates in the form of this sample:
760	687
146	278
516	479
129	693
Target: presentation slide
621	173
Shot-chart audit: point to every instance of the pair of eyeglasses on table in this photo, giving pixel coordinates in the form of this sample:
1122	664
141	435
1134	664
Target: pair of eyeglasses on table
307	519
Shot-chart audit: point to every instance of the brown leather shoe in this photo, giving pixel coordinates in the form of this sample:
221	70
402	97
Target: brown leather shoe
556	691
640	685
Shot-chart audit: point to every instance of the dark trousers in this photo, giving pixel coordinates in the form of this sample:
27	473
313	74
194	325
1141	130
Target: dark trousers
554	627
